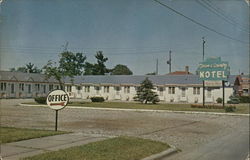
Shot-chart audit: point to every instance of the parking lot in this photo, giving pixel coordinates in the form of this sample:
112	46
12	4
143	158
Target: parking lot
189	132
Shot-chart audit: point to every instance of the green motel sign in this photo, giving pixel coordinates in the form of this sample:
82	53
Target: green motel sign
213	69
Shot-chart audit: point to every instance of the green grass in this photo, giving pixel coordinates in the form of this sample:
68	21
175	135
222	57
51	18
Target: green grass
240	108
120	148
9	134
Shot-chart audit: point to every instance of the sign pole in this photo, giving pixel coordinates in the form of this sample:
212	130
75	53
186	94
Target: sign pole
223	93
57	100
203	93
56	120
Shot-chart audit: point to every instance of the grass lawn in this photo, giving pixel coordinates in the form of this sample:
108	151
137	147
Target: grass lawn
9	134
120	148
240	108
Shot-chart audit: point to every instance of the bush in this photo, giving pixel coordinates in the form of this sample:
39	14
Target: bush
244	99
219	100
40	100
97	99
230	109
233	100
207	106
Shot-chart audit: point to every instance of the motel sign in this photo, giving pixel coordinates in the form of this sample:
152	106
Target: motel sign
213	69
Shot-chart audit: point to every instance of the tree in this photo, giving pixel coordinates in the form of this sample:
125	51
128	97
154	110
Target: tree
120	69
51	70
28	68
145	94
71	64
31	68
98	68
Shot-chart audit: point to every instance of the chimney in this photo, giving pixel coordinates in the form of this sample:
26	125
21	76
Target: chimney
187	69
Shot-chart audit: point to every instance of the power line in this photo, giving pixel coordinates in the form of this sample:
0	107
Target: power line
221	14
200	24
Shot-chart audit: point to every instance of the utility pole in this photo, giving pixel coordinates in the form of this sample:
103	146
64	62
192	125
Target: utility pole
156	72
203	44
203	82
169	62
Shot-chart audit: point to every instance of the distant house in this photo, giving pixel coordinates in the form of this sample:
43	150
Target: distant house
242	85
186	72
185	88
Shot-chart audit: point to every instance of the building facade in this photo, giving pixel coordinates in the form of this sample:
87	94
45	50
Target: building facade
170	88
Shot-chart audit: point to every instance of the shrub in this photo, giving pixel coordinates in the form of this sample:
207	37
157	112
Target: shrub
233	100
207	106
40	100
230	109
244	99
219	100
97	99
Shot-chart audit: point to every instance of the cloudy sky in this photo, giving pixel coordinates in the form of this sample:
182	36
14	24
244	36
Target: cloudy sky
130	32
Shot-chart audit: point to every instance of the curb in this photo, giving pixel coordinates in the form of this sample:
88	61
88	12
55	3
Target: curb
160	155
144	110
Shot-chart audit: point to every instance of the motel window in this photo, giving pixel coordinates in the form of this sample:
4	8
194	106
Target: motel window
87	89
12	88
106	89
117	89
29	88
3	87
196	90
37	87
171	90
44	88
69	88
161	90
79	88
127	89
209	93
21	86
183	92
97	88
50	87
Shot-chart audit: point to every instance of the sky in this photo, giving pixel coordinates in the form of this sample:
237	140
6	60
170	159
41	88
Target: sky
133	32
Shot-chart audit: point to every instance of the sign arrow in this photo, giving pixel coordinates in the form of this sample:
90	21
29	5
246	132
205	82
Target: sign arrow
57	104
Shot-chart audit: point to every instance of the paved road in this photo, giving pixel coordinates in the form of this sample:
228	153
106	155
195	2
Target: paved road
234	146
199	136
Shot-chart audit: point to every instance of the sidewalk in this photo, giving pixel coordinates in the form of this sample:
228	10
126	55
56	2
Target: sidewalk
26	148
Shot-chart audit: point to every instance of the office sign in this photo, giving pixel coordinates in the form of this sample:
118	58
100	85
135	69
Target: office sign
213	69
57	99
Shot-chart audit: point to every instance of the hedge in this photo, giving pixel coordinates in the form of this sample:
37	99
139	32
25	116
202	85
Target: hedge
41	100
244	99
97	99
208	106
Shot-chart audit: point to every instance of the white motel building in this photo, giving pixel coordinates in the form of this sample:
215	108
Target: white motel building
186	88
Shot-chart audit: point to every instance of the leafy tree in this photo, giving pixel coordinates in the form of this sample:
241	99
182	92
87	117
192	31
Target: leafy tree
28	68
121	70
71	64
145	94
51	70
98	68
32	69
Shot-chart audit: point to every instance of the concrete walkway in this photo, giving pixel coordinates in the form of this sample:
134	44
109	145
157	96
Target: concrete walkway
26	148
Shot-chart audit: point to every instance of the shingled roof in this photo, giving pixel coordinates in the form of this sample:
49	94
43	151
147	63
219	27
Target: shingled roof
109	79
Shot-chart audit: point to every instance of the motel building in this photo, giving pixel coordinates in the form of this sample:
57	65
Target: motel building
171	88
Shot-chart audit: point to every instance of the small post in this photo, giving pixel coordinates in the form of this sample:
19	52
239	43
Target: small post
56	120
223	93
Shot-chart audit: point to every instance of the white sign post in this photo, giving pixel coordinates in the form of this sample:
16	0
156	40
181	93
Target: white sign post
57	100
